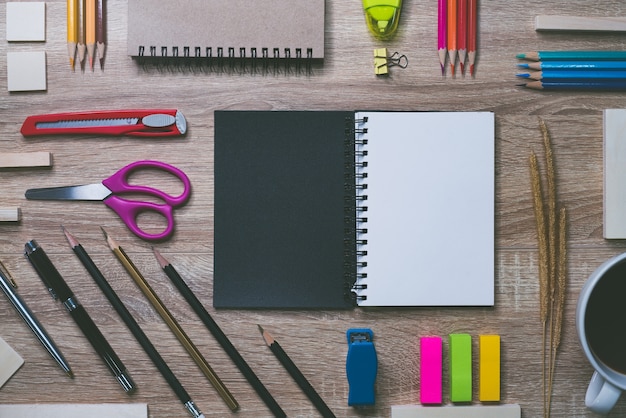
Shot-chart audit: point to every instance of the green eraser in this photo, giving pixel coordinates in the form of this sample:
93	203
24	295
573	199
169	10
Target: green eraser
460	367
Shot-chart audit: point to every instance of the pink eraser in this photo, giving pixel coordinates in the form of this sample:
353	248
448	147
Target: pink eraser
430	370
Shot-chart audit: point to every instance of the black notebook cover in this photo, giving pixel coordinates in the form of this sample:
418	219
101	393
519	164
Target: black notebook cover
283	209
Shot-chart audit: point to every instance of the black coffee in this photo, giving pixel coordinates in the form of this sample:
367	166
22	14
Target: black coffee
605	320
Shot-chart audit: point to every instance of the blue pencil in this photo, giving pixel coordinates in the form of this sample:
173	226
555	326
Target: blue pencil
575	65
565	75
576	85
574	56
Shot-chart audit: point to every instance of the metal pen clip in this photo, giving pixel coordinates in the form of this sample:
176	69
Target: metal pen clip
30	247
7	275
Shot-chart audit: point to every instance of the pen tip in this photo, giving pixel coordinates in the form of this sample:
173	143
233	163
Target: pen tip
70	374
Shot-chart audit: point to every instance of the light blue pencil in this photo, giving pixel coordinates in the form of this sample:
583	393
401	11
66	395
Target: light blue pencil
575	65
573	55
565	75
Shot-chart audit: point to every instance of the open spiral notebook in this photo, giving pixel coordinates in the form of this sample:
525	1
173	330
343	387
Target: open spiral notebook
335	209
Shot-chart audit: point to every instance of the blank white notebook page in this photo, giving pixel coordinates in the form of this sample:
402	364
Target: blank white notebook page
430	208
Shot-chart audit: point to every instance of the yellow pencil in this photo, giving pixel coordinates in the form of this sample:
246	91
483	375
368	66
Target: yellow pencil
90	28
72	29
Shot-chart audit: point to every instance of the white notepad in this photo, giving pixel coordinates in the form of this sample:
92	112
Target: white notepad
430	208
26	71
105	410
473	411
26	21
615	173
10	362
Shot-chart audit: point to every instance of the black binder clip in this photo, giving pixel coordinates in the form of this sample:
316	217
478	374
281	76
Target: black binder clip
361	367
382	62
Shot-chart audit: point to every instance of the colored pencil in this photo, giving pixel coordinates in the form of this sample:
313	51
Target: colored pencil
575	65
452	19
577	85
442	33
72	29
100	31
90	29
81	45
472	33
461	34
564	75
574	56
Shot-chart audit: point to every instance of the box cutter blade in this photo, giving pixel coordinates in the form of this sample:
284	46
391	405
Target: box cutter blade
170	122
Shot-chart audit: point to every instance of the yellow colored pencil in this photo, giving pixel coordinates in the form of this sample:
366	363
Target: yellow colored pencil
72	29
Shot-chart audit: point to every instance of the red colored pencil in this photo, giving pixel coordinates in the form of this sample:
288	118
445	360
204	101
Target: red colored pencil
461	35
472	30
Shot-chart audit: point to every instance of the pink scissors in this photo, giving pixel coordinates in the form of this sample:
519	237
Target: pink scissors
110	189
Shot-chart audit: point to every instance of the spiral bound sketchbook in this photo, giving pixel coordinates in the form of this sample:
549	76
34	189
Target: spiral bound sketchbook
226	29
334	209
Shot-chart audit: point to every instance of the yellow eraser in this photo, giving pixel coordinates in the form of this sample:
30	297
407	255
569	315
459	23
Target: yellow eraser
489	373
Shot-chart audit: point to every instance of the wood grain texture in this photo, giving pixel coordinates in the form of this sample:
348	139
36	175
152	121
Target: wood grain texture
315	340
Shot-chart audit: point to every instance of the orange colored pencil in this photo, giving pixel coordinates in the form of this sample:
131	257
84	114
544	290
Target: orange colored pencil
472	30
452	30
90	30
461	34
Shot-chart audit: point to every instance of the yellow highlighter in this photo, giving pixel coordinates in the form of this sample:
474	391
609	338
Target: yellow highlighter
382	16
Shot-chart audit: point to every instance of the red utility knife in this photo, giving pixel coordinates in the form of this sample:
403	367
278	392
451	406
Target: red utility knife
148	122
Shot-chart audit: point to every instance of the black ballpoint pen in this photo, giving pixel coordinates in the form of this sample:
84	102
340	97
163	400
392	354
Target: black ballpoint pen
132	325
59	289
7	285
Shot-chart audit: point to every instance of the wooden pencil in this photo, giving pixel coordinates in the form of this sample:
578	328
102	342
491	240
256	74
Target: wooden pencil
576	85
452	29
573	56
81	45
472	34
565	75
461	34
296	374
100	31
575	65
90	30
442	33
72	29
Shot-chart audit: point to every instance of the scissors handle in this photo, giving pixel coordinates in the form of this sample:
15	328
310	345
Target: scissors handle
129	210
118	182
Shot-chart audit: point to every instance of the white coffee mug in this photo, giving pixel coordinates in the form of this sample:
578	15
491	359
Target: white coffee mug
606	384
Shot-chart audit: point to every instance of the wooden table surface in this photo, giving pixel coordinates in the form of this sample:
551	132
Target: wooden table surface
314	339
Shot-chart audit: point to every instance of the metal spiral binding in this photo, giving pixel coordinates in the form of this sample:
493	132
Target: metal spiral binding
356	210
227	60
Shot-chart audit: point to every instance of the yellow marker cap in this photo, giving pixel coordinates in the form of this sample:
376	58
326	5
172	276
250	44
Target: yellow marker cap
489	373
382	16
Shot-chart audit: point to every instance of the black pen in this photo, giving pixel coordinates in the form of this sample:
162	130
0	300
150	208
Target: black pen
7	284
132	325
59	289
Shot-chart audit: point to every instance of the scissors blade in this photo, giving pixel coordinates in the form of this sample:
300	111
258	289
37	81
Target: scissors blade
96	191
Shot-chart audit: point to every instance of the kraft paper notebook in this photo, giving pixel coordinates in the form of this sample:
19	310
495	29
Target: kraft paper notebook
334	209
226	28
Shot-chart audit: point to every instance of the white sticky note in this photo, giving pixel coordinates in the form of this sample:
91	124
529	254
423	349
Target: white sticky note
26	71
614	173
10	362
26	21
